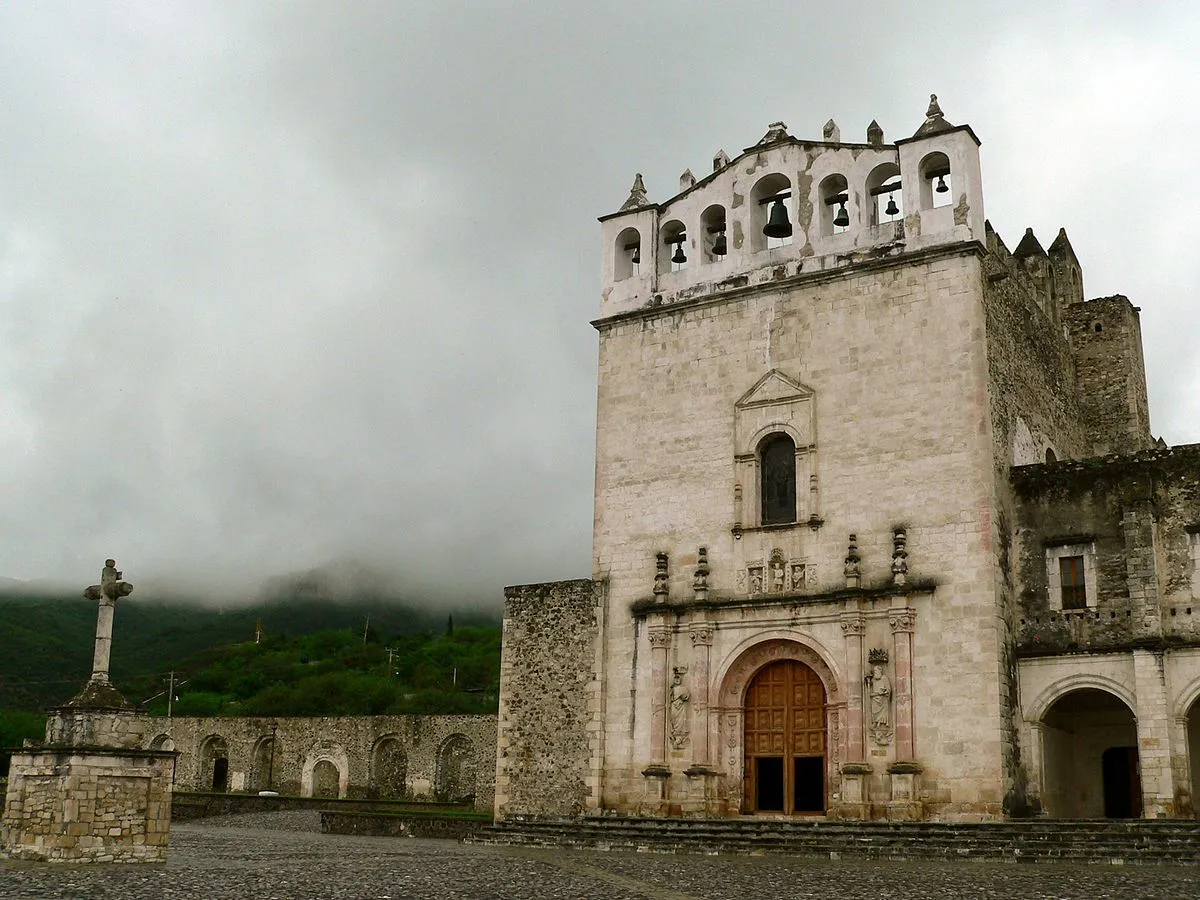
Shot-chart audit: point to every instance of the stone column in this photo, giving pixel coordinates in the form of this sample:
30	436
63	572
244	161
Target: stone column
702	638
660	641
853	629
1154	735
903	622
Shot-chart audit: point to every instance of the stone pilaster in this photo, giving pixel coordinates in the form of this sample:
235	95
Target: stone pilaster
903	621
702	638
660	643
1154	735
853	630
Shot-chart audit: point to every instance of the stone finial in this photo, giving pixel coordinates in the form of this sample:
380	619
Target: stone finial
899	556
776	131
720	160
687	180
637	195
661	587
874	134
700	579
831	132
851	569
935	121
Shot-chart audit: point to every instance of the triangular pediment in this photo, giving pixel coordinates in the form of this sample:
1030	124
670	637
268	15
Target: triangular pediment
774	387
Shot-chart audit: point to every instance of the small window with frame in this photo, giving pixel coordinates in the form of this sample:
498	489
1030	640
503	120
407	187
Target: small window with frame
1073	586
1071	574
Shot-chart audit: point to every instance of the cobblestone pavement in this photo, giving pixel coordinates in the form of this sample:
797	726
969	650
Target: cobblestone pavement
282	856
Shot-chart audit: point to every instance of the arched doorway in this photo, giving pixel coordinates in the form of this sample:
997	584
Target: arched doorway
785	740
214	765
1193	743
454	779
1090	758
389	768
326	779
262	776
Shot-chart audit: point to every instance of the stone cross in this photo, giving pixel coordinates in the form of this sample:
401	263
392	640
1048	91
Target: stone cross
110	588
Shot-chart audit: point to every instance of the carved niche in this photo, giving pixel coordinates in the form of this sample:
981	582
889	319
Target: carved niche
777	404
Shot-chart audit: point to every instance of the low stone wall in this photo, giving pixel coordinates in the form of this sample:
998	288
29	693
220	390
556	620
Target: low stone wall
81	804
397	825
190	805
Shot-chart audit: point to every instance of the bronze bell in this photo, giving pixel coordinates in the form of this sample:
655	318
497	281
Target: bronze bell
843	217
941	185
778	225
720	247
636	259
891	208
678	256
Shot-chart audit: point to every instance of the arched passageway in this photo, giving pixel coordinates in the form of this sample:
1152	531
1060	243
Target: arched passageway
389	768
1193	742
1090	759
785	740
214	765
455	776
326	779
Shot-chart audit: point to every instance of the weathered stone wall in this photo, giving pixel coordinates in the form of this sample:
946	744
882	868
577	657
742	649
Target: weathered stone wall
1106	335
549	690
75	805
892	352
421	757
1139	513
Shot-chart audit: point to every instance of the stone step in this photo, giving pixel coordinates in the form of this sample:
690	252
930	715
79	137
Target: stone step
1086	840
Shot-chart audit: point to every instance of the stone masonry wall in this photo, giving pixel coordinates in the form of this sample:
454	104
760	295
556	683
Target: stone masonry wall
416	757
548	733
1140	513
893	352
72	805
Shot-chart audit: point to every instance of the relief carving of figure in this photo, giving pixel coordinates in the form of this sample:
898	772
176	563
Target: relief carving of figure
881	706
679	702
777	576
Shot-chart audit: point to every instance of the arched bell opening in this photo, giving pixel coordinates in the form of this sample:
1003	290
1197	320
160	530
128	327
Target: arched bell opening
835	213
886	198
627	254
1090	766
713	236
937	187
672	255
772	212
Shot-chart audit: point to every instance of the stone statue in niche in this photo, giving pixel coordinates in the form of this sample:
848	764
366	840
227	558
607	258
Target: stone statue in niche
679	703
756	579
798	577
881	698
777	576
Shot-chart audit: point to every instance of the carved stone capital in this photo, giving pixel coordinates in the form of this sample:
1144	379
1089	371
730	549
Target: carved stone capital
701	634
853	626
903	620
659	638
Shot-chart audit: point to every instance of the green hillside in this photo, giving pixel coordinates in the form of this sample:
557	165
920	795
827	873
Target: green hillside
46	641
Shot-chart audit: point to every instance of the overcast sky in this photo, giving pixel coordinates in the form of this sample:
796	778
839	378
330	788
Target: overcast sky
290	282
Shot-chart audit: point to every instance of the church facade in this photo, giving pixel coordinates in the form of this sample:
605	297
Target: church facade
881	531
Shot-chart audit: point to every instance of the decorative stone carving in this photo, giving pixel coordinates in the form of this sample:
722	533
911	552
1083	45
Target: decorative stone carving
740	580
797	576
834	738
700	579
661	585
851	569
702	634
877	656
737	512
874	134
679	708
755	574
903	620
854	626
777	572
659	638
899	555
880	687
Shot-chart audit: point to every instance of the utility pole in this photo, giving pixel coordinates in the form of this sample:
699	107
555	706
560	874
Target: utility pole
391	652
365	627
170	693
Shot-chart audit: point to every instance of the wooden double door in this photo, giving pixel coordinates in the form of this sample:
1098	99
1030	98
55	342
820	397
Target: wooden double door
785	740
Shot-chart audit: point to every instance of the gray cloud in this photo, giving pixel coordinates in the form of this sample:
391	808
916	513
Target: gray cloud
289	283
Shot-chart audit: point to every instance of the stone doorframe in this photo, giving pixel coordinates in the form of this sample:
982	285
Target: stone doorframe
330	753
725	721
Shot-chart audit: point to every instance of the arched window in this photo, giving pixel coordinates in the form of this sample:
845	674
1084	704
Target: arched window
777	467
627	254
883	187
712	234
936	187
835	217
671	254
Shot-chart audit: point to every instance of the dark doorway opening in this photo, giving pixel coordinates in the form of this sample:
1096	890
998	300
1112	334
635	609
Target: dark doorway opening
220	782
1122	783
769	797
808	784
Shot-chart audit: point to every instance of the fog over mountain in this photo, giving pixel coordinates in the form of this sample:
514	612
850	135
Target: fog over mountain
288	285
